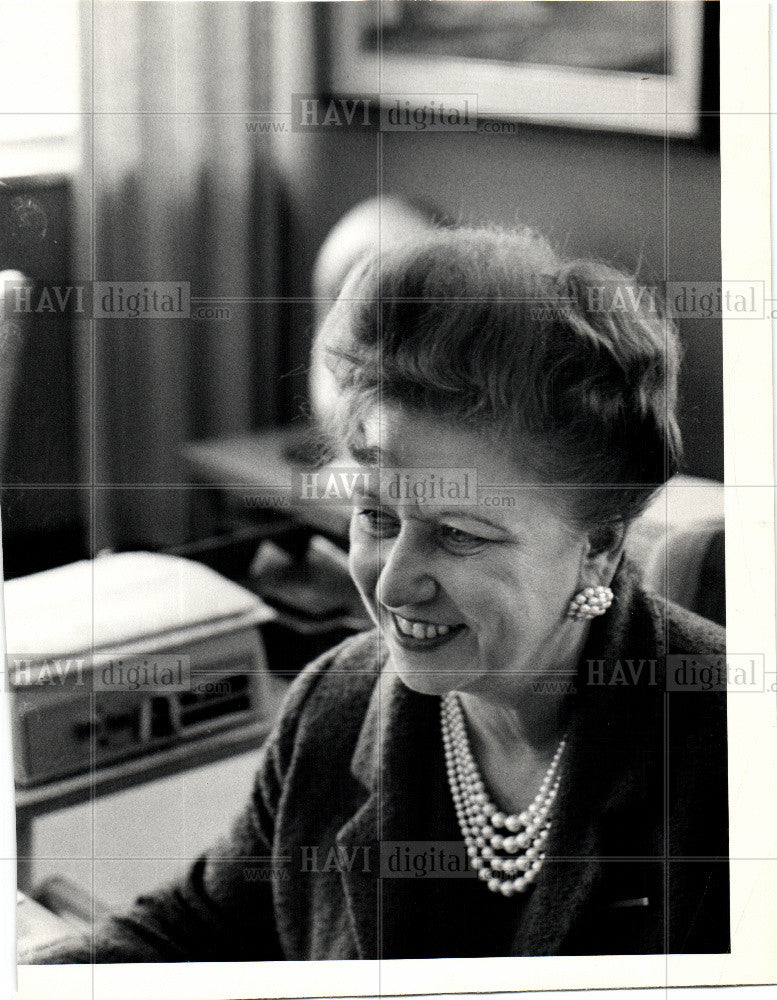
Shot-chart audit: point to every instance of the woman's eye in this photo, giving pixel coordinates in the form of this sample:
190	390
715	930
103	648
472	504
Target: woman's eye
377	522
456	540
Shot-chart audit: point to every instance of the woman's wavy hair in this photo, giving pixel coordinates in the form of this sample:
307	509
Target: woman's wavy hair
570	362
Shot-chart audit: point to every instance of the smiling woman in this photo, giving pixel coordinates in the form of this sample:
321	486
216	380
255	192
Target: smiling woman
487	719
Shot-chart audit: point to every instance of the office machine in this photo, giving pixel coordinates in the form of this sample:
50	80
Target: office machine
125	655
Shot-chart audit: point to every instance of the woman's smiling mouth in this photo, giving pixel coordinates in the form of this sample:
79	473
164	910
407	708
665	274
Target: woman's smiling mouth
419	634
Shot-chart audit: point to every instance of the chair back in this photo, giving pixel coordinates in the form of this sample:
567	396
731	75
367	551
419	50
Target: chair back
14	324
679	543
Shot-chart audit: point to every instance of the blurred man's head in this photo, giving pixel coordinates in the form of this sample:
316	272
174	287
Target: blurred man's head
373	225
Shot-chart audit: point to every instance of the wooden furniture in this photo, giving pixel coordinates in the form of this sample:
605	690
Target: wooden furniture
251	473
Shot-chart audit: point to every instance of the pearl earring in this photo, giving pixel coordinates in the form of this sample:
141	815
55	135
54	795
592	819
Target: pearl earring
589	603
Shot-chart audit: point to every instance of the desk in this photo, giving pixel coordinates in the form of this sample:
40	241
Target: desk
184	756
256	471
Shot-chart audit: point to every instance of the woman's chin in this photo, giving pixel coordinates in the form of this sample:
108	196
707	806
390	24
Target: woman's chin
424	678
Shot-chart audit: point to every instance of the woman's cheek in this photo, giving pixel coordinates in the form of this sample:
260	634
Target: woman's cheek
364	567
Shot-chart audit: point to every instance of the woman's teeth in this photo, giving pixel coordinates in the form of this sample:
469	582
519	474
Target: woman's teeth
419	630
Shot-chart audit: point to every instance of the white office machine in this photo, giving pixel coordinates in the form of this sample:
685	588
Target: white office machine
124	655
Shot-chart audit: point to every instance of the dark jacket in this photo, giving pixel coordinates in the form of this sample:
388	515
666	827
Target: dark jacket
637	859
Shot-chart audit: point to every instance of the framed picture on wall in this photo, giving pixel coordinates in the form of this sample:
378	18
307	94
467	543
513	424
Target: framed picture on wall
619	66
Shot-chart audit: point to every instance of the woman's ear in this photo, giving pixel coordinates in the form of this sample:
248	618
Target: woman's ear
603	553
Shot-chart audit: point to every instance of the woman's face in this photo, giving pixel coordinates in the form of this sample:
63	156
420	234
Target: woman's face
467	596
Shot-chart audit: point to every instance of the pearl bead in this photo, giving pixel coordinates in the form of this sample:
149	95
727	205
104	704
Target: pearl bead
494	884
510	845
507	888
497	841
513	824
498	819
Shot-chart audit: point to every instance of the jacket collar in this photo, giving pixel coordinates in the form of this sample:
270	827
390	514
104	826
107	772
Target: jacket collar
598	780
378	732
398	722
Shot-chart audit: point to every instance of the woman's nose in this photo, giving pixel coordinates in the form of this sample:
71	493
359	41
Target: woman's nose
405	579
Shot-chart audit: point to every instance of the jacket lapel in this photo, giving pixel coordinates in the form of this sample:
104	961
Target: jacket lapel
360	888
570	873
389	729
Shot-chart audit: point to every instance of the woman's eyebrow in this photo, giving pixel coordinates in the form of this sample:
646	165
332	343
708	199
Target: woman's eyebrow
460	515
373	455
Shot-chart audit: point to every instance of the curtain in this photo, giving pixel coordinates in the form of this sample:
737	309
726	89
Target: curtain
174	188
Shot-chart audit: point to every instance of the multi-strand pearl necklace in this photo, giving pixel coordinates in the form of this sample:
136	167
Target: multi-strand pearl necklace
507	851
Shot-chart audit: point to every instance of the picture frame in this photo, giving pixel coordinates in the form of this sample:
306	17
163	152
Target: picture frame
398	48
